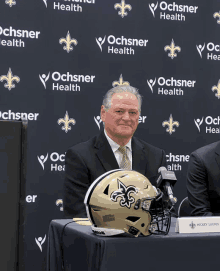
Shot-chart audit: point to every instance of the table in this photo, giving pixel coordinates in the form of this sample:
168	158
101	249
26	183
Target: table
78	248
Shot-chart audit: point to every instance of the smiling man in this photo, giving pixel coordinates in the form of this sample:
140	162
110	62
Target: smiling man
113	148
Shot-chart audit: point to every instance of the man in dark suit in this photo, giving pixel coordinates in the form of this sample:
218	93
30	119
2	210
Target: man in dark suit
203	180
113	148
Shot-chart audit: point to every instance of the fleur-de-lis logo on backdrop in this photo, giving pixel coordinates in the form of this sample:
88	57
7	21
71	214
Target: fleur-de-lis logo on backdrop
66	121
198	123
122	6
170	123
172	48
124	192
120	82
44	79
68	41
45	2
218	89
153	7
217	15
151	83
59	203
98	121
42	159
39	241
9	78
200	49
100	42
10	3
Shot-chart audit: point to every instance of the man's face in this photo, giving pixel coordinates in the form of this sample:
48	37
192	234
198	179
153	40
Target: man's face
121	120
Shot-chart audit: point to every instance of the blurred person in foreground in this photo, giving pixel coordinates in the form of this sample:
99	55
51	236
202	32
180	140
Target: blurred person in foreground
203	181
113	148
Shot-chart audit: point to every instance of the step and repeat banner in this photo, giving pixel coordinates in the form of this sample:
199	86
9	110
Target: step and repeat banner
59	58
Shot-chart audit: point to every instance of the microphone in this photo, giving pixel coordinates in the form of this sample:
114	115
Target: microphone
165	180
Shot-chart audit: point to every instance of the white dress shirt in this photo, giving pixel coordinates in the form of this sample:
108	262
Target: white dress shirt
117	153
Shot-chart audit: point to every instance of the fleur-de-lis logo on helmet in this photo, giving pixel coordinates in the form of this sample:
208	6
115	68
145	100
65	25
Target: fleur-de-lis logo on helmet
66	121
68	41
218	89
170	123
120	82
217	15
122	7
124	192
10	3
9	78
172	48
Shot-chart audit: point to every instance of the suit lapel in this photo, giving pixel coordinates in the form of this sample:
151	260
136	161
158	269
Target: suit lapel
107	157
105	153
139	159
217	152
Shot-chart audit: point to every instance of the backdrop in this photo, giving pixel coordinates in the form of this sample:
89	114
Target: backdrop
58	59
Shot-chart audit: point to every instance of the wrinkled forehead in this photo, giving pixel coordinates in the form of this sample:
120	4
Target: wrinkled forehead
124	98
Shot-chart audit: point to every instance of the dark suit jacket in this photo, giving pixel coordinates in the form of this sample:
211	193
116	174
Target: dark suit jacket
88	160
203	180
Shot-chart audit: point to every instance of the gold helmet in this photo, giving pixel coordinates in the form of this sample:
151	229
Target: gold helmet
122	201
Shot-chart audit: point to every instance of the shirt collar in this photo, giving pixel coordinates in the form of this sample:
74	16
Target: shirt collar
115	145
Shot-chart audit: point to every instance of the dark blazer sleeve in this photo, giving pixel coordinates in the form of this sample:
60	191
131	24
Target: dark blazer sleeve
76	184
197	186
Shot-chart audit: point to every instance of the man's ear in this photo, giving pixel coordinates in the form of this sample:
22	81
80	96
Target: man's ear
103	113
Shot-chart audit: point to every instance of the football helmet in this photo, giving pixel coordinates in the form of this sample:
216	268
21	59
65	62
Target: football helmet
124	201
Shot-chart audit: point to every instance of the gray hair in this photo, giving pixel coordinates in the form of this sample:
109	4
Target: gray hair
119	89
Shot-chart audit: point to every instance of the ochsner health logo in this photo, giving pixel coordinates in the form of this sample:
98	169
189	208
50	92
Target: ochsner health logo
70	7
11	37
120	45
39	241
42	159
200	49
100	42
170	86
173	12
44	78
211	124
56	161
98	121
65	81
212	50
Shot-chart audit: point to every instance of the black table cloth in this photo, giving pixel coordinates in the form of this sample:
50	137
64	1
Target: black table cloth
74	247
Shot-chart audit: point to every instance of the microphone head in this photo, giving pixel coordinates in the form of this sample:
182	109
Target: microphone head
165	176
161	169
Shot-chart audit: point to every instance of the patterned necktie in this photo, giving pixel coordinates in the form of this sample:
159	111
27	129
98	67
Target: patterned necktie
125	164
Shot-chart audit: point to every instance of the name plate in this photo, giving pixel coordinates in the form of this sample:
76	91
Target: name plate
198	224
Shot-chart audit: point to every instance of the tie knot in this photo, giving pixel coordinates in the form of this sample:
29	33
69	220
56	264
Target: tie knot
123	149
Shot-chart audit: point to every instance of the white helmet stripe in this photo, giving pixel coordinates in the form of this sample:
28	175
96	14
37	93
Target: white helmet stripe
92	187
96	182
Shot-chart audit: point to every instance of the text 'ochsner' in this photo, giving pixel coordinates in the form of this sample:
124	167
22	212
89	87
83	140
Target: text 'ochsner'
16	36
127	43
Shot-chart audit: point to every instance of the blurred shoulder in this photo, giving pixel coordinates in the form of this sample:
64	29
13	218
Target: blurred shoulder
207	149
